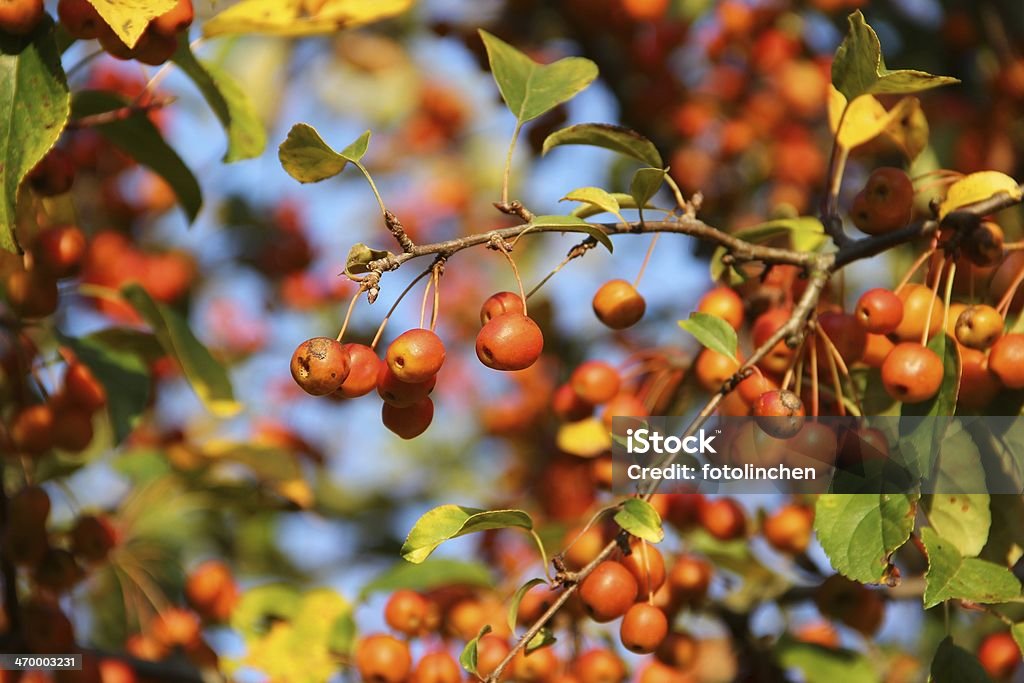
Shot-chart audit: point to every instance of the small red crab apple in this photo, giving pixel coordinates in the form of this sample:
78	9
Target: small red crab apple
19	17
408	422
643	628
725	303
175	20
80	18
788	529
595	381
319	365
380	658
58	250
511	341
497	304
608	592
978	327
780	413
912	373
999	655
415	355
363	368
885	204
618	305
1006	360
879	311
401	394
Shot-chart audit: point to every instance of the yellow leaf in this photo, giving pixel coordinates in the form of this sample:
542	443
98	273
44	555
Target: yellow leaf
301	17
836	105
977	187
129	18
864	119
297	491
587	438
910	131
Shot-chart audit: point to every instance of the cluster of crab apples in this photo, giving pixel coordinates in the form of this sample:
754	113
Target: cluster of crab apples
508	340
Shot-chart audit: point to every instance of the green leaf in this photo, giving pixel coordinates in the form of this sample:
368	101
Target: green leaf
451	521
639	518
645	184
953	664
360	256
597	197
247	138
824	664
434	573
951	575
544	637
34	103
137	137
923	432
129	18
530	89
625	201
573	224
260	606
712	332
308	159
513	608
958	515
209	379
469	653
1018	636
860	532
124	375
294	18
616	138
859	69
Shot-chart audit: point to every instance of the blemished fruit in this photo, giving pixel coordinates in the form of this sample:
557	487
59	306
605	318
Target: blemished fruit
599	666
31	293
437	667
1006	360
80	18
879	311
618	305
724	303
608	591
175	20
59	250
978	327
789	528
723	518
780	413
689	579
999	655
406	611
319	366
408	422
19	17
885	204
401	394
32	429
497	304
511	341
595	381
714	369
647	566
643	628
363	366
983	246
912	373
917	299
415	355
381	658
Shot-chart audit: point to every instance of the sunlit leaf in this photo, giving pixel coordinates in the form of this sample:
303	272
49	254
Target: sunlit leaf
129	18
595	196
513	607
290	18
639	518
468	657
308	159
360	256
977	187
587	438
951	575
859	533
820	664
451	521
434	573
574	224
865	118
616	138
34	104
209	378
530	89
645	184
712	332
